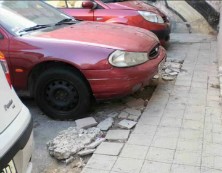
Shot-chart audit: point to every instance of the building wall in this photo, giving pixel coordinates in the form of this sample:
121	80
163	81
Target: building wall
191	16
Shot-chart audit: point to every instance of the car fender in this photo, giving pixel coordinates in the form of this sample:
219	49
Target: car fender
119	20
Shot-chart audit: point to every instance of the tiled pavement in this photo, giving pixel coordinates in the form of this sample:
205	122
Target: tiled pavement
180	131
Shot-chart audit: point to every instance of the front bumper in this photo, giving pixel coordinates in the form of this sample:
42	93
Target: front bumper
162	31
118	82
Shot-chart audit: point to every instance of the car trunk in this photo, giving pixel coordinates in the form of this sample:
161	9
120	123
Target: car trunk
10	105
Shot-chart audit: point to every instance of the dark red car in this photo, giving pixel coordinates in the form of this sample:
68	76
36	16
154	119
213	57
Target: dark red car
64	63
128	12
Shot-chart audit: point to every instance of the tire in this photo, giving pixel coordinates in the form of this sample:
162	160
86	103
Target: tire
62	94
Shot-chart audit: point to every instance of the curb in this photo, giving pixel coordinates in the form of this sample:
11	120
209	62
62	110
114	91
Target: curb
219	53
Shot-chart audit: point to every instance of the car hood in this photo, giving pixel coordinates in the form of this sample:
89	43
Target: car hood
133	5
104	35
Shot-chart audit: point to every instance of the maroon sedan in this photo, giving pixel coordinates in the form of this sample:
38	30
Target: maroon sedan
64	63
127	12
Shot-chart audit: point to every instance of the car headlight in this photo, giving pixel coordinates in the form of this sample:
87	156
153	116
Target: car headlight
152	17
127	59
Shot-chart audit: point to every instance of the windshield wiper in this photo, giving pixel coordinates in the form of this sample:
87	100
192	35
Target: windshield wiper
67	21
32	28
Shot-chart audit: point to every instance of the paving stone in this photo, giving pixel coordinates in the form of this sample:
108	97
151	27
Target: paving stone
120	135
105	124
160	155
189	145
154	167
164	142
187	158
85	123
184	169
90	170
134	151
109	148
140	139
133	117
170	132
190	124
123	115
95	143
86	152
132	111
145	129
127	124
101	162
127	165
113	114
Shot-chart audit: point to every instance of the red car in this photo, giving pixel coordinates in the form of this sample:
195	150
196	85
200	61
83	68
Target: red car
64	63
128	12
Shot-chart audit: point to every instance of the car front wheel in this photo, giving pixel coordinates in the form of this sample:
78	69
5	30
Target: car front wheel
62	94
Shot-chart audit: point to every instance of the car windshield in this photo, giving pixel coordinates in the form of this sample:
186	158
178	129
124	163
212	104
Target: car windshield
17	16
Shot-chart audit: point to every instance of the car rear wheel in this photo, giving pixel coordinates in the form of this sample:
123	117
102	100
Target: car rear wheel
62	94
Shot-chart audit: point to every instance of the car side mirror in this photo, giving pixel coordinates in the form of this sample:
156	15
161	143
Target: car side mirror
89	5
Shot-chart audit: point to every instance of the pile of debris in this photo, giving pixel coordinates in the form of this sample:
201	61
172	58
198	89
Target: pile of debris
89	137
170	70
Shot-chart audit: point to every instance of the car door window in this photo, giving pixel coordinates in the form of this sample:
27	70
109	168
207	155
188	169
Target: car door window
58	4
74	3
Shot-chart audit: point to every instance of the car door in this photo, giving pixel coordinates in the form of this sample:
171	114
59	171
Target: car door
74	8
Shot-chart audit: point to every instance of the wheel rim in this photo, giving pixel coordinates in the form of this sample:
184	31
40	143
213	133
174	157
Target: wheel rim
61	95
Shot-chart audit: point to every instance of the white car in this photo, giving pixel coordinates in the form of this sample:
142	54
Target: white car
16	135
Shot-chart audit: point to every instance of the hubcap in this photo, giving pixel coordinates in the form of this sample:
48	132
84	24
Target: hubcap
61	95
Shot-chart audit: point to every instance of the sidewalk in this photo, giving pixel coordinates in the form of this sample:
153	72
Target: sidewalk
180	131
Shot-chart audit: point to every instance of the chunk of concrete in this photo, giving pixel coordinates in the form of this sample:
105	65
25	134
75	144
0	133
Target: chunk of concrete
95	143
127	124
168	70
117	135
86	152
168	78
123	115
105	124
109	148
132	111
71	141
86	123
173	73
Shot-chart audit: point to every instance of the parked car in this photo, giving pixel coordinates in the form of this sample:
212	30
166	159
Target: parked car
15	127
128	12
64	63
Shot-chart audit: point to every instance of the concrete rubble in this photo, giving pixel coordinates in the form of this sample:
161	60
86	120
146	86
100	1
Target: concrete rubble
96	143
86	152
171	70
105	124
71	141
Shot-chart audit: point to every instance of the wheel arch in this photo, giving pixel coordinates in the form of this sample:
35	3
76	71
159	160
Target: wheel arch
41	67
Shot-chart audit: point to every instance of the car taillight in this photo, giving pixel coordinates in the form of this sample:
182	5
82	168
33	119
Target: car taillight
5	68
